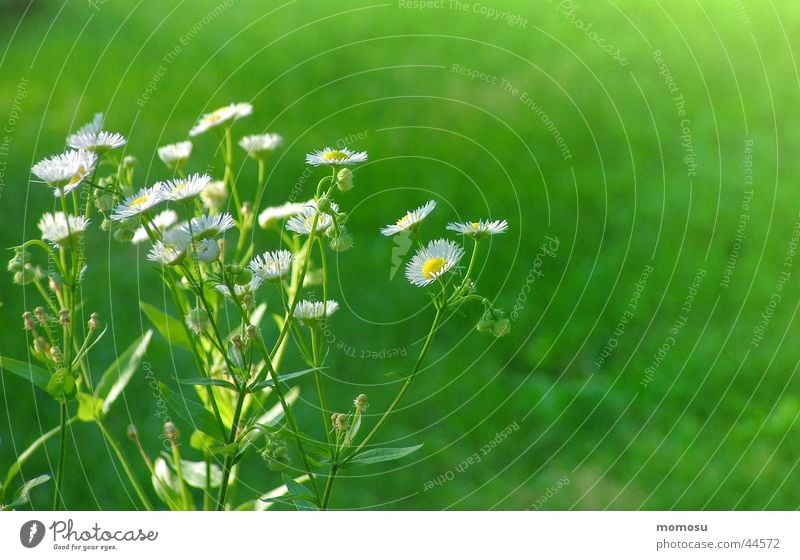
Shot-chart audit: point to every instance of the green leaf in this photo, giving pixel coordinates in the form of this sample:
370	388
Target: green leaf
380	455
62	385
209	381
168	326
22	495
396	375
26	370
194	473
282	378
116	377
193	413
89	407
299	494
166	484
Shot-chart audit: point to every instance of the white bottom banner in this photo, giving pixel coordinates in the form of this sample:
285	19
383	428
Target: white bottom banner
390	535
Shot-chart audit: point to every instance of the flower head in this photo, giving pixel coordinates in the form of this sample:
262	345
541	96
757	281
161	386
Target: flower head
206	226
433	261
99	142
303	221
479	229
231	112
208	250
272	266
171	249
183	189
259	146
161	222
411	220
214	195
241	290
274	214
66	171
312	312
330	156
138	203
61	229
175	155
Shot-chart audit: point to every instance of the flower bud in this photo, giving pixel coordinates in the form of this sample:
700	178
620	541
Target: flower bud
18	261
94	322
344	179
27	320
103	200
323	205
132	432
41	315
41	346
55	354
63	317
171	432
129	161
361	403
339	421
198	321
26	275
123	235
208	250
214	195
341	242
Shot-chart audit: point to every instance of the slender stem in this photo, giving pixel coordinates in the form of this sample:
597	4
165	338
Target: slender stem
323	407
176	459
126	467
62	455
223	489
329	485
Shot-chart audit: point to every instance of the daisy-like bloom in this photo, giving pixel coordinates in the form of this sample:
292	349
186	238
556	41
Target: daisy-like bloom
303	221
433	261
214	195
66	171
207	227
274	214
329	156
208	250
272	266
138	203
93	127
175	155
312	312
411	220
241	290
97	142
479	229
161	221
231	112
183	189
172	249
259	146
62	229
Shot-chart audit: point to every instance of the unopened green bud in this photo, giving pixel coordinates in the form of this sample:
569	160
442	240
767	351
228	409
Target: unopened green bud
344	179
341	242
103	200
25	276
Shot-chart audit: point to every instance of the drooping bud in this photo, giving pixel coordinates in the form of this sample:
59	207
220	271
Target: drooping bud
208	250
26	275
63	317
171	432
339	421
55	354
94	322
341	242
361	403
344	179
27	320
41	315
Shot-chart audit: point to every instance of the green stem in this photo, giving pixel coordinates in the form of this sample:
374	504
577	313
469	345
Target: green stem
223	489
329	485
125	466
62	456
176	458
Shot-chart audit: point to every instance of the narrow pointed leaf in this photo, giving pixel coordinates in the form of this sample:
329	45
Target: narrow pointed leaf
26	370
380	455
168	326
118	374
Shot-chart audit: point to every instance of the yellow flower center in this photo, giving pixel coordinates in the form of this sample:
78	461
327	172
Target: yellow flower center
334	155
139	201
475	225
179	188
433	267
405	221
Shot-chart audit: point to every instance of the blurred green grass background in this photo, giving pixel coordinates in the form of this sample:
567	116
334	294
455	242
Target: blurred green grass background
716	427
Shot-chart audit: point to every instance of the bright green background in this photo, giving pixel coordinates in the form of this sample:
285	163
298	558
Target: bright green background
716	428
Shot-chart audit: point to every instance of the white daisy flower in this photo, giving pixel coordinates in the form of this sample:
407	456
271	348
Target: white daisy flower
231	112
303	221
171	249
214	195
138	203
206	226
66	171
161	222
259	146
432	261
175	155
241	290
312	312
272	265
479	229
208	250
274	214
97	142
183	189
329	156
411	220
93	127
61	229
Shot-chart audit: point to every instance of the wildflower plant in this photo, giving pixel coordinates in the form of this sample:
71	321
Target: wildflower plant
197	234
